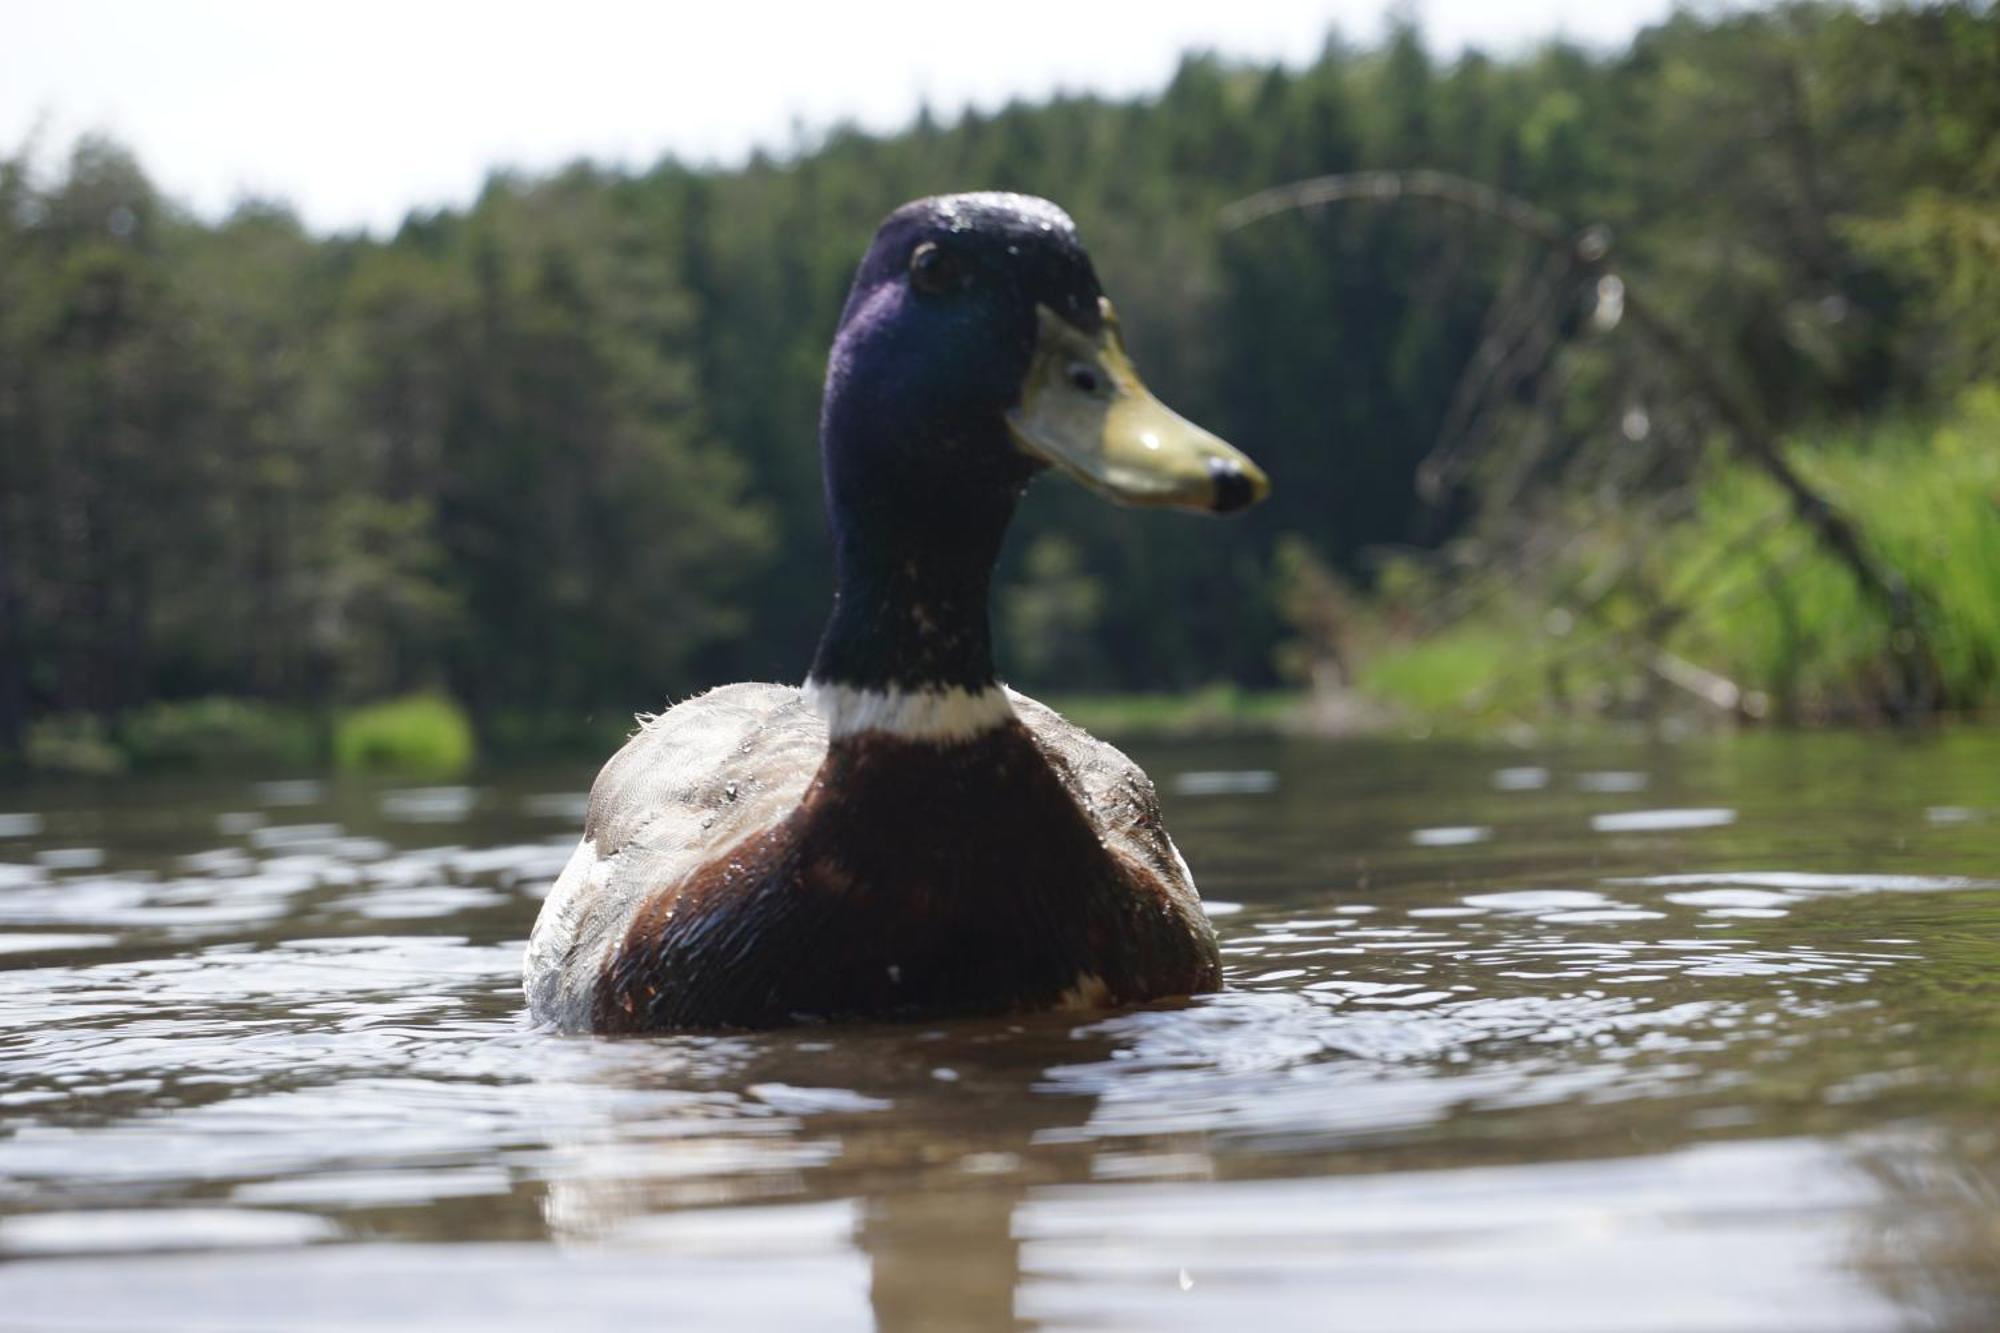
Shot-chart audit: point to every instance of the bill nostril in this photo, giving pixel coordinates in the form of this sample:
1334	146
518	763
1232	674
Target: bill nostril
1233	490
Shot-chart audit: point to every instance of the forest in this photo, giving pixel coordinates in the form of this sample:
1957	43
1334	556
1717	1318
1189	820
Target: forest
548	459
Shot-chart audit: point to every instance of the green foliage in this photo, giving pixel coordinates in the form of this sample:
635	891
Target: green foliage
554	453
539	734
1950	245
1317	605
1473	672
1752	600
217	733
1929	495
1052	612
1213	710
423	735
74	743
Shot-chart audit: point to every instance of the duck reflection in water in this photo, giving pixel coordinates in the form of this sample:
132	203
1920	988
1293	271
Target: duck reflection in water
919	1143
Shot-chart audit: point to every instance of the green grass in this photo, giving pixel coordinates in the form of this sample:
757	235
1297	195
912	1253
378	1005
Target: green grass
1766	607
1474	671
419	734
1929	501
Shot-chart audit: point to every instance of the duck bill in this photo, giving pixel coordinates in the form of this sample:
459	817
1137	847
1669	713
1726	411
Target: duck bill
1084	410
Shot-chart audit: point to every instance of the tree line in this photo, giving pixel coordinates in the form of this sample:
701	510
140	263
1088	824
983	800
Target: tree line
554	451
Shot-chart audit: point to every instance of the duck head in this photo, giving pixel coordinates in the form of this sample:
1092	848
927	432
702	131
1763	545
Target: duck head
977	349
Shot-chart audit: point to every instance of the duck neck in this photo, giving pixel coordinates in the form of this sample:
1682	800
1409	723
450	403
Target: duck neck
908	649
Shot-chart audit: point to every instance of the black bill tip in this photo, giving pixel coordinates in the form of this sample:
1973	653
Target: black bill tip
1233	488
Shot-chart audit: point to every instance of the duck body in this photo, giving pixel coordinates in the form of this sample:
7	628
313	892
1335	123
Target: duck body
737	870
904	837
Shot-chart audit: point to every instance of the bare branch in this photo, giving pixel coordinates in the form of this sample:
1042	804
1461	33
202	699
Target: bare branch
1751	433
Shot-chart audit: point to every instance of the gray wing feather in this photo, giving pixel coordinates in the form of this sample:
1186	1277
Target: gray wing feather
1114	792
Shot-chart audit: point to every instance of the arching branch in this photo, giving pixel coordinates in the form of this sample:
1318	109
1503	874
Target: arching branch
1751	433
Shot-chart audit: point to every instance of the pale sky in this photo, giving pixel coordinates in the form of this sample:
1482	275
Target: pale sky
359	111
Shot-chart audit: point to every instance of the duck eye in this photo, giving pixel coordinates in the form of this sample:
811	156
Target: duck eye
936	270
1083	378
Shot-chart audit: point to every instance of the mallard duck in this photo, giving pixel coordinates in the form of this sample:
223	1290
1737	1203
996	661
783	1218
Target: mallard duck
904	837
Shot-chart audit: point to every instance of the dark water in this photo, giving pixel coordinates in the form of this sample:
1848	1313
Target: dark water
1662	1037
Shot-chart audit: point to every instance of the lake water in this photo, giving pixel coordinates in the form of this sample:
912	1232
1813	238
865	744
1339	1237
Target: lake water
1697	1036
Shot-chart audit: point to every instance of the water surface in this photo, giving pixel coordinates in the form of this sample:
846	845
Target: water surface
1702	1036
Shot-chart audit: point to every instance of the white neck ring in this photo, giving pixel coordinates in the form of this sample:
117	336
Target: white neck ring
940	716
